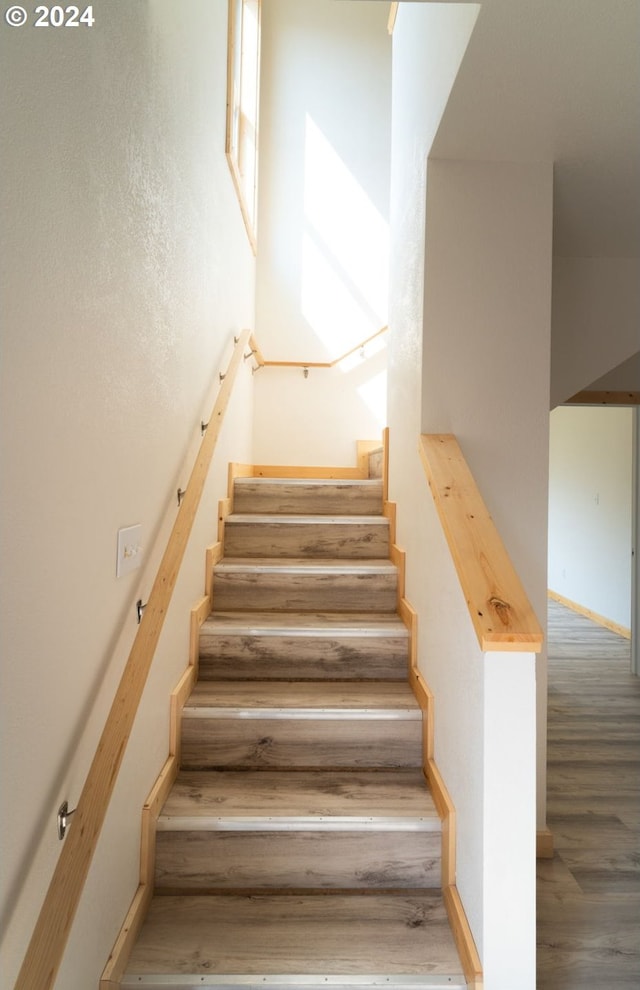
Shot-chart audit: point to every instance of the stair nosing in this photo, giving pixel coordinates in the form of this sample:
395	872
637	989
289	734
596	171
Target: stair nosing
302	823
341	624
309	482
297	565
320	713
342	633
288	981
303	519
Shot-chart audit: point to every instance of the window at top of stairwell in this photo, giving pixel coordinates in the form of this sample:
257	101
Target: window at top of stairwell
243	84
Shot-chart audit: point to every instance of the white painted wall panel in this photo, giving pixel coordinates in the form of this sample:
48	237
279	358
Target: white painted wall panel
470	314
509	820
485	378
590	465
428	44
596	315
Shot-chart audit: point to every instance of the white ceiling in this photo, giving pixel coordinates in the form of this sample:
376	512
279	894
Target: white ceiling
558	80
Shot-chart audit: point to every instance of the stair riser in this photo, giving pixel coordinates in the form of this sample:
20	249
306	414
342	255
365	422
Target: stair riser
309	499
192	861
345	592
357	541
302	657
306	742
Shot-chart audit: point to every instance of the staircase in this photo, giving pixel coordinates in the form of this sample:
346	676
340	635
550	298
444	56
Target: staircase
299	846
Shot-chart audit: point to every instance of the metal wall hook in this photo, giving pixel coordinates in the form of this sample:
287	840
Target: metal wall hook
235	339
203	427
250	354
140	607
63	818
305	372
181	495
221	376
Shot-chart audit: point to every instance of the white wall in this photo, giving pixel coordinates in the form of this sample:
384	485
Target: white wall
590	464
625	377
322	264
486	379
595	320
120	297
469	354
428	44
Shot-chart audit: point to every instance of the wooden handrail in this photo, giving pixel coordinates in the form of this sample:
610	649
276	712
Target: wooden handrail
263	363
47	945
498	605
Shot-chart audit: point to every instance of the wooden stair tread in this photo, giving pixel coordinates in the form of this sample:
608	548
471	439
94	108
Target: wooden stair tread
374	795
341	696
322	934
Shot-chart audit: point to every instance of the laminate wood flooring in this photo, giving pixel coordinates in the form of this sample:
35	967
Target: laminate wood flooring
589	893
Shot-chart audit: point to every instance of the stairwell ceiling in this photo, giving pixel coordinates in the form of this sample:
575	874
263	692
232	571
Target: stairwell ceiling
558	80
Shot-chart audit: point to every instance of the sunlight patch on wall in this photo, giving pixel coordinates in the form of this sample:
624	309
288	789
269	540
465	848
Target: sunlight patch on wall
328	303
345	250
369	349
374	394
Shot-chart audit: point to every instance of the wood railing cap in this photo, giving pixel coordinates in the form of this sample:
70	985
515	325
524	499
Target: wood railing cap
499	608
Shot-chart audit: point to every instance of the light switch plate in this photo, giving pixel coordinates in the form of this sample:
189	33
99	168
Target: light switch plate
129	549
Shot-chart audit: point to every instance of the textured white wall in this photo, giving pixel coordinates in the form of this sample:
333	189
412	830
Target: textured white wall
595	320
625	377
322	263
126	272
428	44
590	464
486	379
470	317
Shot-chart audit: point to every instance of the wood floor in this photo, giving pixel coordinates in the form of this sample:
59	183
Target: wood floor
589	894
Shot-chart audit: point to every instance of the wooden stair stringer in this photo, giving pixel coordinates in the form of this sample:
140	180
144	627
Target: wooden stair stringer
460	927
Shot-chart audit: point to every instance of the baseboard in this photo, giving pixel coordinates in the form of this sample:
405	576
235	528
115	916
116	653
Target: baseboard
117	962
363	449
460	927
446	810
544	843
601	620
465	944
213	554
